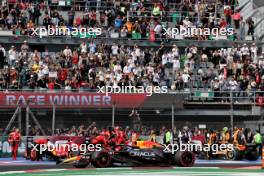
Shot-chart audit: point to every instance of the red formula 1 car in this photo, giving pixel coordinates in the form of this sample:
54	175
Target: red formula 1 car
141	153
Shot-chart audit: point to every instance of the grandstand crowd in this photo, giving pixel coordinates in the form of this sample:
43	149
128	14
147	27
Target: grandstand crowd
95	64
136	19
91	65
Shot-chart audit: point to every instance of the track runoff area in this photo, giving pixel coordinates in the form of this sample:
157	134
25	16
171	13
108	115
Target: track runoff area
212	167
159	171
202	168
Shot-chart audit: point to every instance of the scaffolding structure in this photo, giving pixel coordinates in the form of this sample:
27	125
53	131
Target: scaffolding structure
153	102
29	113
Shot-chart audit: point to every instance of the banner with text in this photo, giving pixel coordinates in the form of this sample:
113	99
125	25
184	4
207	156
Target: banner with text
72	99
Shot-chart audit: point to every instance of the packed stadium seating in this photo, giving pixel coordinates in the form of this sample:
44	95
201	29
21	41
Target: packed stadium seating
135	19
237	71
91	64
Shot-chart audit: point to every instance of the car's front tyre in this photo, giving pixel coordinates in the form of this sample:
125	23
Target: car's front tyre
184	158
101	159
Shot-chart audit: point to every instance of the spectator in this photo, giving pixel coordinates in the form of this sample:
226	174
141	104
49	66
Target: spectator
186	79
2	56
250	23
12	55
71	15
37	14
253	52
24	46
92	47
242	29
115	49
158	30
228	13
236	17
129	27
118	23
156	9
83	47
136	27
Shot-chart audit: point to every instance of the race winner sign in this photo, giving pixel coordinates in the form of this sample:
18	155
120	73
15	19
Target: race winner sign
66	100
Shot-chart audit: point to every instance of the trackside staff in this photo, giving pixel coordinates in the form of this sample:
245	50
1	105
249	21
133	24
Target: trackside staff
167	137
14	141
258	141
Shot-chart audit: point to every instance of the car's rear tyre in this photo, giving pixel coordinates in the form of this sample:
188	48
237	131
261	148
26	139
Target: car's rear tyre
82	163
234	154
252	154
101	159
185	158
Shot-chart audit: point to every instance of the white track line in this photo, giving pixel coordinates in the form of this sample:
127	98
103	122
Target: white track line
12	172
115	168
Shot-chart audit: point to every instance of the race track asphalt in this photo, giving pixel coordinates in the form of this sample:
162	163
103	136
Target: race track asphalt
174	171
6	164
